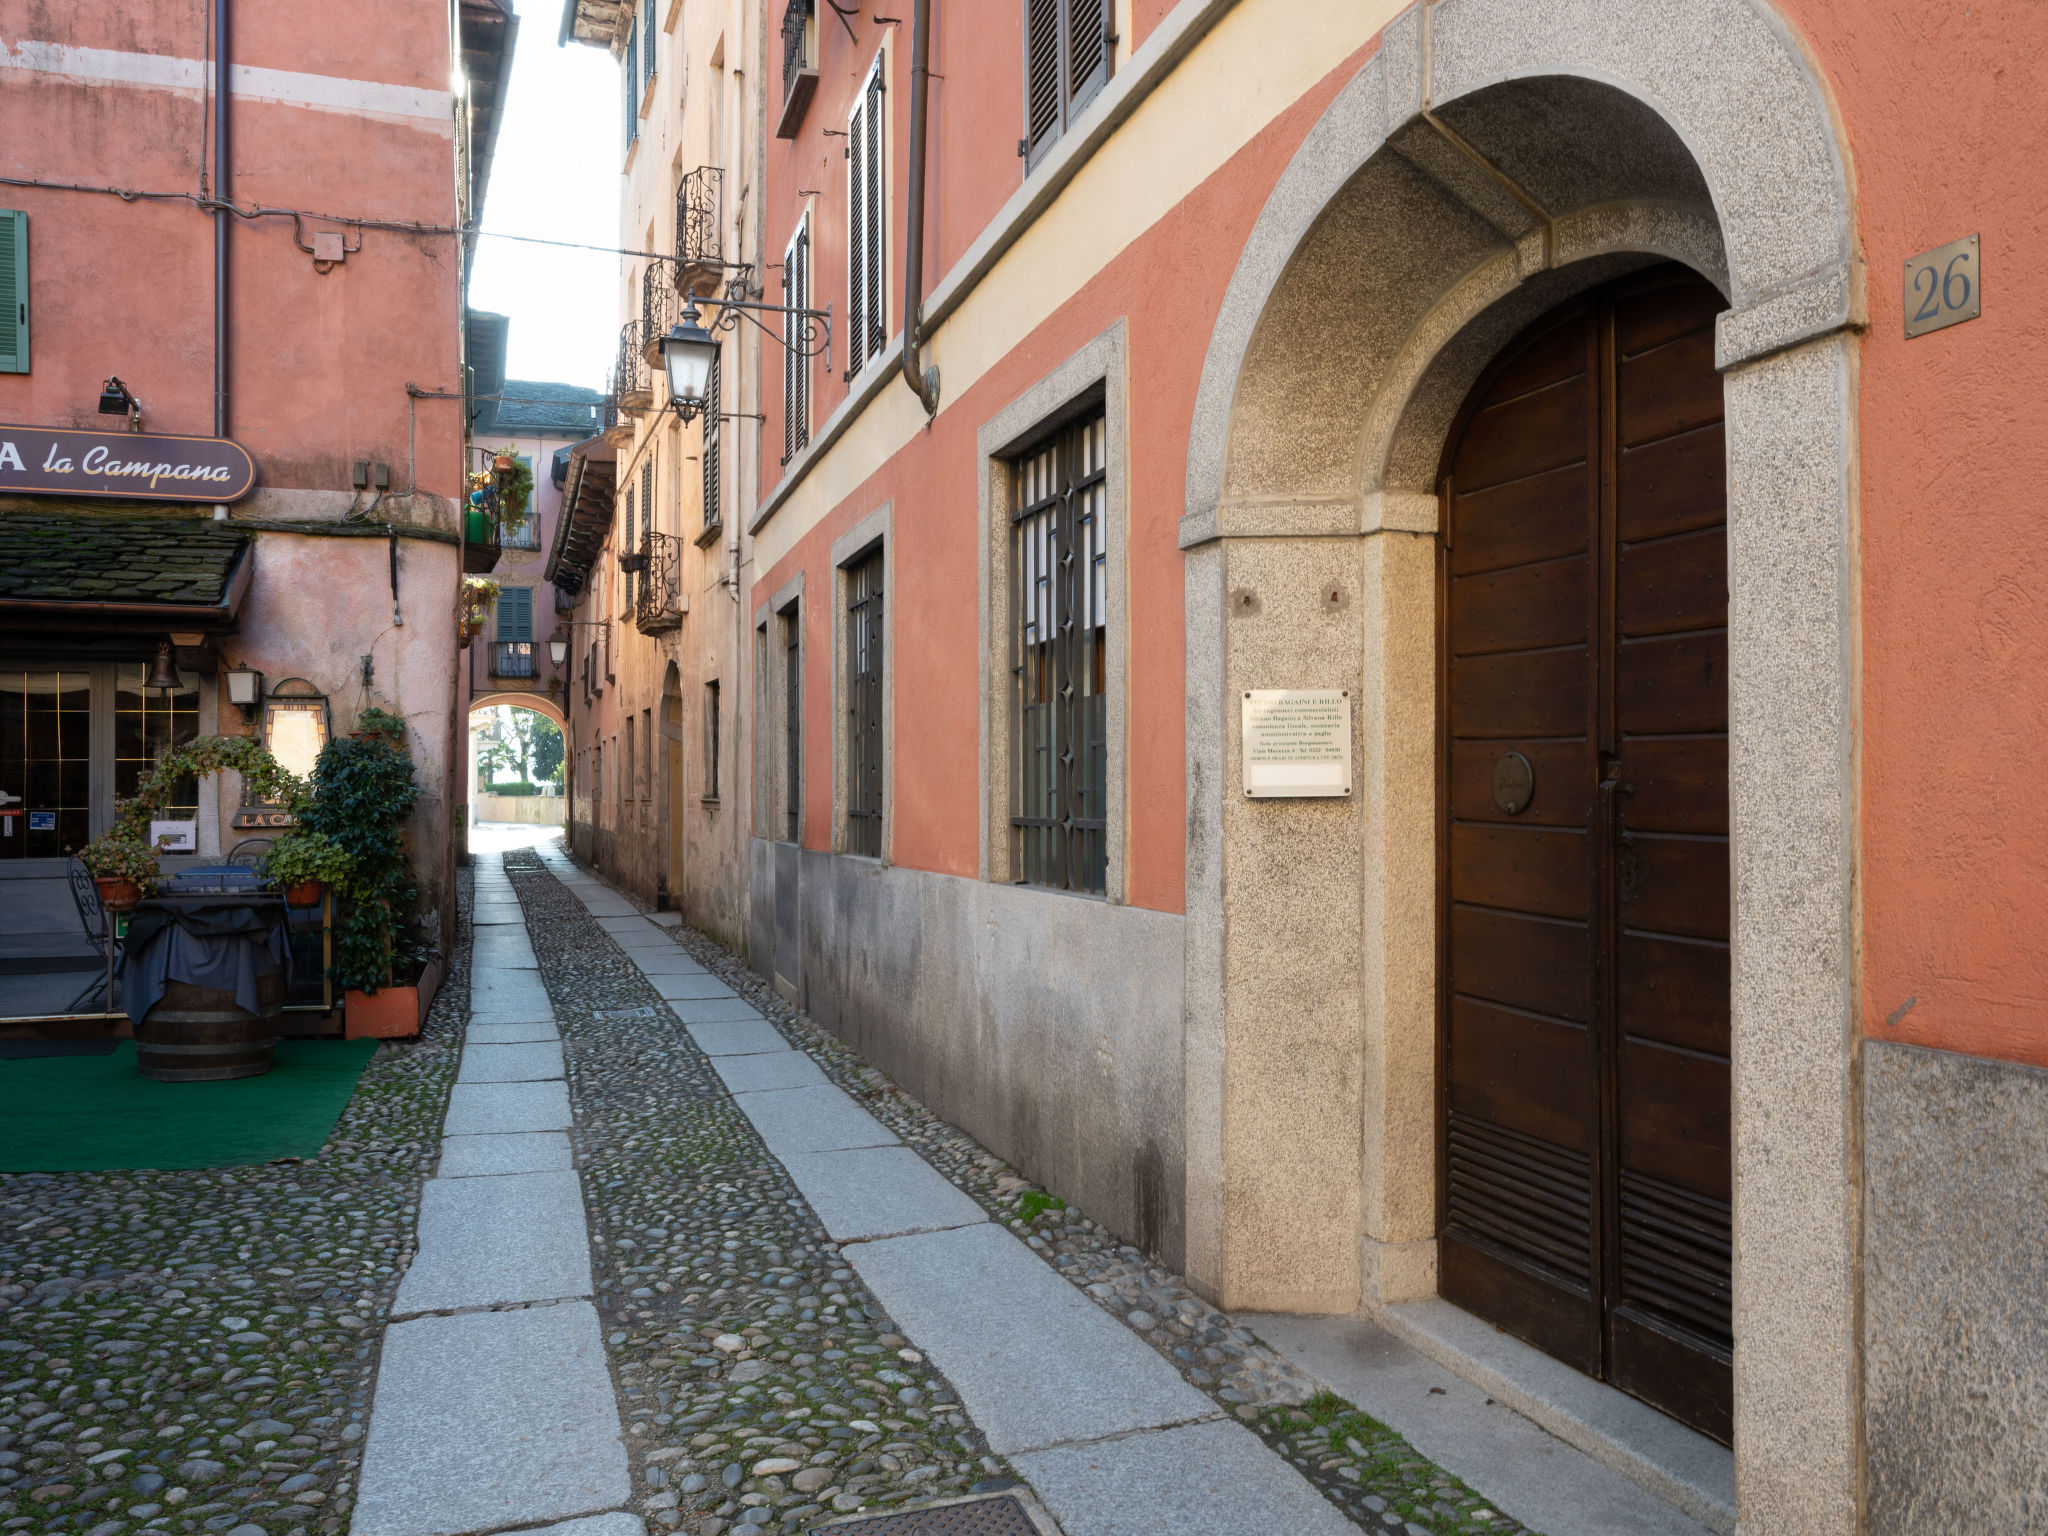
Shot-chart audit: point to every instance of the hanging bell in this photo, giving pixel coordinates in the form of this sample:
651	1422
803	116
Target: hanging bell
163	672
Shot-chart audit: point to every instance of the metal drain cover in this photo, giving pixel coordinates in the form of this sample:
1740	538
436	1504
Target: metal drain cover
631	1013
1001	1514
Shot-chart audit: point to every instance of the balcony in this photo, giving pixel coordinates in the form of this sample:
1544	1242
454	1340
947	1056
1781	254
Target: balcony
480	546
799	64
513	659
632	378
658	602
700	261
660	308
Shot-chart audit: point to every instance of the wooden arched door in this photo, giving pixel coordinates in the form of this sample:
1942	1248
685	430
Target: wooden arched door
1585	1189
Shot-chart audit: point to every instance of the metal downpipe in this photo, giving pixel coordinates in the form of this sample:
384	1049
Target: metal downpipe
923	381
222	219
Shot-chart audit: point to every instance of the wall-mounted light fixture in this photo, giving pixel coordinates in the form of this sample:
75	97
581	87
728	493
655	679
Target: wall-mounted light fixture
689	349
116	400
558	648
245	690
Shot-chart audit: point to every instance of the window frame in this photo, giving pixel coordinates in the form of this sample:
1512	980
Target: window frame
1070	100
17	360
790	645
867	218
796	368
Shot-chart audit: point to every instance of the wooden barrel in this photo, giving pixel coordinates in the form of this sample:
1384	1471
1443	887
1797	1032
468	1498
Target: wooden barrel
199	1035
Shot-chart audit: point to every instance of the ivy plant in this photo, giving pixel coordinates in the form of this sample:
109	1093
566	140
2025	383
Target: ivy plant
363	790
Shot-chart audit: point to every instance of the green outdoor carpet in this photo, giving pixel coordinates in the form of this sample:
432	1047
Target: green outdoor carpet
78	1114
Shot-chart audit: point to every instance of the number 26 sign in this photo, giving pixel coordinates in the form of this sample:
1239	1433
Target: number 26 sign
1943	287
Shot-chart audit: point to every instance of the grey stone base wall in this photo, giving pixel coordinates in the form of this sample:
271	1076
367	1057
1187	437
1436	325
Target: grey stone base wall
1955	1292
1046	1026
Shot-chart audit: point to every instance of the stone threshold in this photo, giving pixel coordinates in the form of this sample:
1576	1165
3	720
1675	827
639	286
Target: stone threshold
1678	1465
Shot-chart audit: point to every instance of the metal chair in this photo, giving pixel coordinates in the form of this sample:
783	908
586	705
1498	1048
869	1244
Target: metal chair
92	916
251	851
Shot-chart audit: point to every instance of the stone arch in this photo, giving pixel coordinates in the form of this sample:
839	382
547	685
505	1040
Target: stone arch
1491	159
539	703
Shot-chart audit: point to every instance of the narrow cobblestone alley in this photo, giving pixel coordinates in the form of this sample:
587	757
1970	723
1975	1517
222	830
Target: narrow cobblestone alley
685	1262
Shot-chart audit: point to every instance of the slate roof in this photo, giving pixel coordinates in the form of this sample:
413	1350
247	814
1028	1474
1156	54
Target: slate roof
53	557
528	406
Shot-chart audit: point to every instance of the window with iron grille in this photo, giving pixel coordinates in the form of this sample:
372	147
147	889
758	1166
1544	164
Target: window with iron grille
791	619
711	729
796	368
714	489
1059	608
867	218
864	744
1069	46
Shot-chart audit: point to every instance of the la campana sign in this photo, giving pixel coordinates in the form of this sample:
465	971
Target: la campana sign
147	466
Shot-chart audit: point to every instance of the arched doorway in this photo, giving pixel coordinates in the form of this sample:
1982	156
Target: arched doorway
1584	1194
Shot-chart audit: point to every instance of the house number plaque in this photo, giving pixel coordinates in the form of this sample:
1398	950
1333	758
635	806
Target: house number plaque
1943	287
1297	742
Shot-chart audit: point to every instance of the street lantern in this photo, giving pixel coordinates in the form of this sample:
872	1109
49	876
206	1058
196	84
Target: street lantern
558	649
245	690
688	352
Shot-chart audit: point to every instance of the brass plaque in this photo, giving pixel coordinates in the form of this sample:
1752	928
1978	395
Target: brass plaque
1944	287
1514	783
1297	742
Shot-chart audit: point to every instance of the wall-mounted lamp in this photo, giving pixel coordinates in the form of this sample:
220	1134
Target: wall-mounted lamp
689	351
558	648
245	690
116	400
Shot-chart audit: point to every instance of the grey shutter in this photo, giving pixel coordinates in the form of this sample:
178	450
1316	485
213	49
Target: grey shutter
876	245
790	328
1042	94
1088	27
803	364
857	157
647	47
13	291
632	92
713	488
515	614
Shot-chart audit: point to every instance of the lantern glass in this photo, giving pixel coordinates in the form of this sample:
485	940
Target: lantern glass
244	686
687	352
558	651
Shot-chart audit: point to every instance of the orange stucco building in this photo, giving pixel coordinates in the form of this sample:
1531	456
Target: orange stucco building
1565	387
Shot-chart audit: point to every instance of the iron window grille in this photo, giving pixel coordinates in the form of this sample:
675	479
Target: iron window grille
1069	47
659	603
708	459
1059	826
699	235
867	245
659	308
796	369
512	658
792	723
632	379
864	744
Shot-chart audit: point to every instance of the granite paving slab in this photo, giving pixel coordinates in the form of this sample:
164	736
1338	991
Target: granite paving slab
511	1034
489	1420
634	940
870	1192
488	956
1214	1479
615	1524
601	903
616	926
496	916
508	992
482	1109
746	1037
711	1010
1035	1361
528	1062
513	1152
671	961
825	1119
678	987
765	1071
512	1016
487	1241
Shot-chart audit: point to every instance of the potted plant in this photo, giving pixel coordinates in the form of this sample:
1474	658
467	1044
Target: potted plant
122	864
478	596
304	864
513	487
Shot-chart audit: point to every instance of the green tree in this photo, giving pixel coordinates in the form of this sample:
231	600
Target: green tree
548	751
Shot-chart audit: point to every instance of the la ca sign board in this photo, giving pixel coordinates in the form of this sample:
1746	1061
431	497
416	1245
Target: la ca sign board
141	466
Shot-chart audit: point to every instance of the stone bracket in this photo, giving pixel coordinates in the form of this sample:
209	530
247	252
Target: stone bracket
1830	301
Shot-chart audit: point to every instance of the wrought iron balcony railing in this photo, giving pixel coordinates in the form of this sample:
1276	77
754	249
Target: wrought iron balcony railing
659	308
799	64
632	378
658	594
699	241
513	658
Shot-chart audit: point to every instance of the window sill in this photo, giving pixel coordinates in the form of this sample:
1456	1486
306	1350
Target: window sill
712	533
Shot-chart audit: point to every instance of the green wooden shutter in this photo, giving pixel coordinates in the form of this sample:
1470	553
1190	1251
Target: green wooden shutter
515	614
13	291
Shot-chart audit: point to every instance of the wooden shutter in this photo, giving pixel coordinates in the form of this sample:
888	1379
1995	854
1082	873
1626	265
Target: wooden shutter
13	291
714	496
1042	94
632	91
1088	30
515	614
647	497
877	243
796	368
857	157
647	46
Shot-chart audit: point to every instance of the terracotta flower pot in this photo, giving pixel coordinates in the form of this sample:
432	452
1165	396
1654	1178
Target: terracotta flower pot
306	893
117	893
504	463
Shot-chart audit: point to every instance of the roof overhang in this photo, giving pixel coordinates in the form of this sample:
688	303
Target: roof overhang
489	37
103	616
587	495
595	22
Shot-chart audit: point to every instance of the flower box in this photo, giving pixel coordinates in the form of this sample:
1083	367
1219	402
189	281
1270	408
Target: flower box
391	1013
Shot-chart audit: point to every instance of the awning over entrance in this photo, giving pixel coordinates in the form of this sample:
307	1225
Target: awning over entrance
75	571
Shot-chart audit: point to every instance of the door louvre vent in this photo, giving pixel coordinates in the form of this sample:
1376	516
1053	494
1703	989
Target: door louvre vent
1675	1258
1522	1195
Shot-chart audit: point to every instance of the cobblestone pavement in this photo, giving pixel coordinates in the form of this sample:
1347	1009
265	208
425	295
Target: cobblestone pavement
759	1383
1360	1465
194	1351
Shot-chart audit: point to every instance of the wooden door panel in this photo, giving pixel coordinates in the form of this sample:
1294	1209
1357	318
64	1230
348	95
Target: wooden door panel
1679	885
1523	869
1562	793
1521	608
1536	963
1674	583
1675	784
1539	693
1673	485
1538	518
1674	990
1674	1116
1662	314
1543	430
1668	685
1668	390
1675	1375
1522	1071
1559	1319
1555	355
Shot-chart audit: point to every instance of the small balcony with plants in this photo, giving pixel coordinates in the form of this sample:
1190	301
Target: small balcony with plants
498	511
799	64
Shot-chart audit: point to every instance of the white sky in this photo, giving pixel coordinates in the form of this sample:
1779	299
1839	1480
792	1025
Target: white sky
556	175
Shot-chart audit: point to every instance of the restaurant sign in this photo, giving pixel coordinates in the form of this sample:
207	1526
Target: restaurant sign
147	466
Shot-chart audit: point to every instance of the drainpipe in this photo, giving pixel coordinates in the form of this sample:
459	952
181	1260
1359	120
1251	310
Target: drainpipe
222	219
924	382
